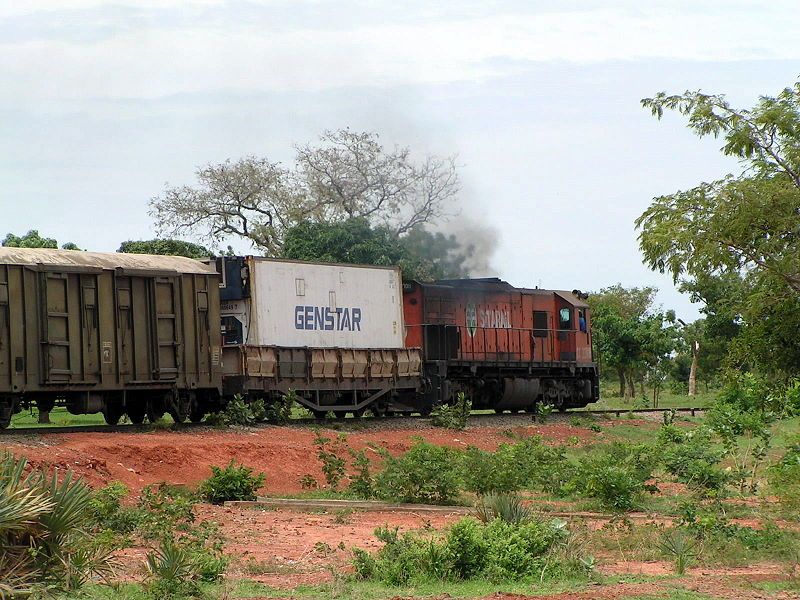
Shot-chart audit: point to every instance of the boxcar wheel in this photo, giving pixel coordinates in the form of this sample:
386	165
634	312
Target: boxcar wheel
112	415
136	414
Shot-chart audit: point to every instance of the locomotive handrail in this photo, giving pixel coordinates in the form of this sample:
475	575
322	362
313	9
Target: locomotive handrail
451	341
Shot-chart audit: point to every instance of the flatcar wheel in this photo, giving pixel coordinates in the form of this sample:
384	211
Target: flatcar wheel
340	414
176	416
358	413
196	415
319	415
498	411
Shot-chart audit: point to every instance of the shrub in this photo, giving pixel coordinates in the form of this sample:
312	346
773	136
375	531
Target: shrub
231	483
176	567
108	512
331	452
362	482
615	475
44	539
526	464
280	411
163	509
452	416
497	550
681	547
240	412
506	507
784	477
426	473
693	460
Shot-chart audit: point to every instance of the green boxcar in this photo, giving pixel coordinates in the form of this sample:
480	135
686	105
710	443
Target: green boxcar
106	332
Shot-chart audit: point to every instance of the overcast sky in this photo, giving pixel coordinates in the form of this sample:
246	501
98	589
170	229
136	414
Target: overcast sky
103	102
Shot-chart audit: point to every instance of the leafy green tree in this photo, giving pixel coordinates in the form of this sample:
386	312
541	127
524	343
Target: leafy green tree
165	247
32	239
630	336
421	255
735	241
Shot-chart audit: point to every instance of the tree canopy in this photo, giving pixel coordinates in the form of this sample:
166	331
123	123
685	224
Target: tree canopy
735	242
165	247
32	239
421	255
630	335
343	175
748	223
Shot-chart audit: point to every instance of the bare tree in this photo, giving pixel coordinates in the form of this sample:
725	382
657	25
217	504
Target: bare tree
251	198
344	175
350	174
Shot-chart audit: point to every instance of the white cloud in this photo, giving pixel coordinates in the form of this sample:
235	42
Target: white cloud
154	61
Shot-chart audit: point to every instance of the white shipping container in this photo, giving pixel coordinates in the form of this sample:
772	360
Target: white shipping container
297	304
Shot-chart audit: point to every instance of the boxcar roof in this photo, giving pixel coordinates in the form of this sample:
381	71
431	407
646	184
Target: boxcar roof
38	257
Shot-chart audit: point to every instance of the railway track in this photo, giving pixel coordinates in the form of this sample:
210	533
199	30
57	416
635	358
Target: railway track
145	428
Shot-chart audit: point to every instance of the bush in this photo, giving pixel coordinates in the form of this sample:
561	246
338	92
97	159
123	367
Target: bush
426	474
177	567
693	460
784	478
497	550
240	412
452	416
231	483
331	453
506	507
108	512
280	411
163	509
45	545
616	475
513	467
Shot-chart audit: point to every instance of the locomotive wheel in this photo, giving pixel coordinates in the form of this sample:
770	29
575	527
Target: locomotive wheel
196	414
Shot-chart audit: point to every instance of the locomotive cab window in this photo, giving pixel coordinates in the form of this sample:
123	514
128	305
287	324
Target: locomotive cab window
565	318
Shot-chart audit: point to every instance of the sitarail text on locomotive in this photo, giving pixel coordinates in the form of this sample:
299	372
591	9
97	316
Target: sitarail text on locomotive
325	318
485	317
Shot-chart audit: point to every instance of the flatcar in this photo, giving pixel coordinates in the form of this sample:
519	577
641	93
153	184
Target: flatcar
108	333
332	334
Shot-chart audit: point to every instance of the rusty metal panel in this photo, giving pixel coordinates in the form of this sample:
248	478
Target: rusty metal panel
381	363
292	363
261	362
324	363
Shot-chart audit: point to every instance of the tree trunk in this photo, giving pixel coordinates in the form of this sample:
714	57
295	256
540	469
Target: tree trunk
621	373
44	417
693	371
631	393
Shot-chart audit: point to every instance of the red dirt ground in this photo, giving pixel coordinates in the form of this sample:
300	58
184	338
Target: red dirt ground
285	454
285	548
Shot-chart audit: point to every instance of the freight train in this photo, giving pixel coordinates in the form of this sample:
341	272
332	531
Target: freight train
141	335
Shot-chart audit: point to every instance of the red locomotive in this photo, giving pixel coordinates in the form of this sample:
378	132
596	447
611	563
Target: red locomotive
505	347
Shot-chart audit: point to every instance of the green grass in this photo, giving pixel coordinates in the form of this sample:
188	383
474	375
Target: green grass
610	400
59	417
342	588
